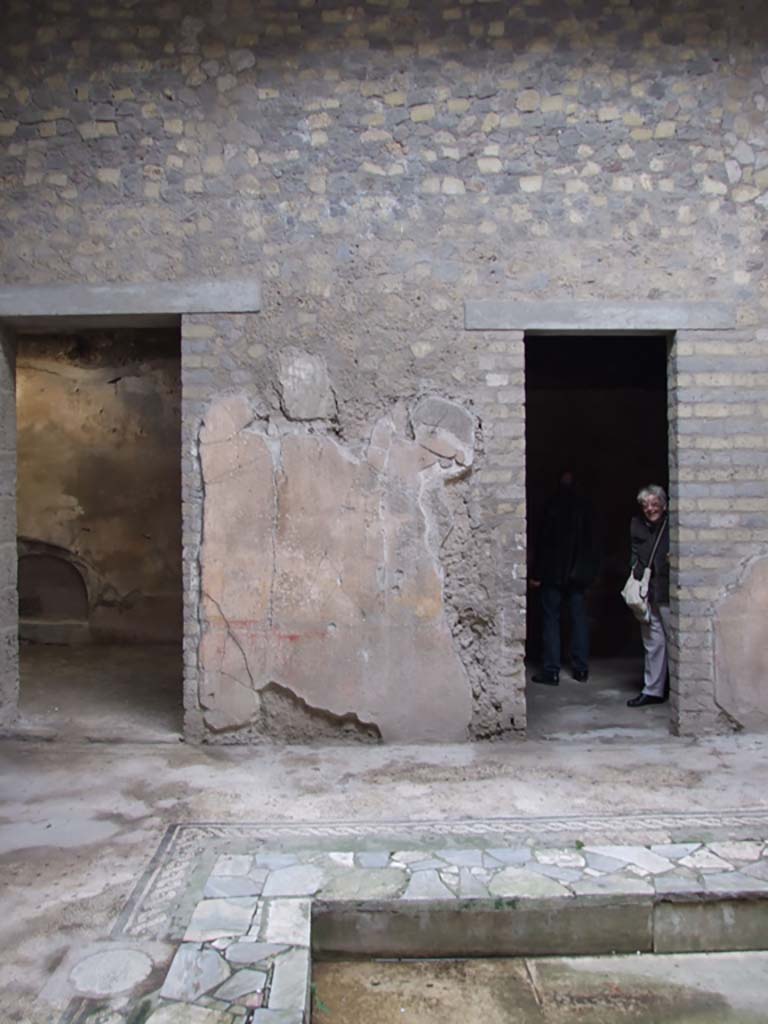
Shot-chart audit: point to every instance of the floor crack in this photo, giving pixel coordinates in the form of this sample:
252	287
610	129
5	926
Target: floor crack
531	975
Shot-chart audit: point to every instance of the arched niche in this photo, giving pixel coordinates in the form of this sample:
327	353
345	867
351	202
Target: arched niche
53	596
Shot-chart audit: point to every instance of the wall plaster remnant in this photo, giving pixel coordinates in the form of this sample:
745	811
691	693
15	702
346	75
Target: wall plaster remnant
304	387
322	585
444	428
741	660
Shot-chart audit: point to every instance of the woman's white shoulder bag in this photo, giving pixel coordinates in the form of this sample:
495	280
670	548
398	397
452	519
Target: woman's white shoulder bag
635	592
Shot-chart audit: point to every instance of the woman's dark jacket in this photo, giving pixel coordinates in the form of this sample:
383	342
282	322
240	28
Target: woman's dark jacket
642	536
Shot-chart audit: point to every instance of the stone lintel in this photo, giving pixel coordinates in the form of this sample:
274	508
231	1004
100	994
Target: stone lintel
46	307
594	317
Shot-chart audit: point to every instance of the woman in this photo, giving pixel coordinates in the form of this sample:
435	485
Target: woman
645	530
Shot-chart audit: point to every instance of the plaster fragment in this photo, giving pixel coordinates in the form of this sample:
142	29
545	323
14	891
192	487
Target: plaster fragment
445	428
305	387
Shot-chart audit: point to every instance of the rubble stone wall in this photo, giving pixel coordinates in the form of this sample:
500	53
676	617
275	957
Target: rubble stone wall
375	165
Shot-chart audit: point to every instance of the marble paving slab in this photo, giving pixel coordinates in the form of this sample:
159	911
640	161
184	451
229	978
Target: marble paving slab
212	890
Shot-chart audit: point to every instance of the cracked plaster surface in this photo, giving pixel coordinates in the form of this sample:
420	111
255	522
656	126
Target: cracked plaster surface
741	659
320	574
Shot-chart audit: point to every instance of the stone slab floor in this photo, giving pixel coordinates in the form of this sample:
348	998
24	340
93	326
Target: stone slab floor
82	823
715	988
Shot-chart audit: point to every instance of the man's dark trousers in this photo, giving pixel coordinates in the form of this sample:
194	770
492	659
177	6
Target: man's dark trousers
552	599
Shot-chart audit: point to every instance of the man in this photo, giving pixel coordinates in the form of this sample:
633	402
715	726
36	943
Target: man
564	566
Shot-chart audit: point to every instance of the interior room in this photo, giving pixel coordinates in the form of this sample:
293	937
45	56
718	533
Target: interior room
99	533
596	407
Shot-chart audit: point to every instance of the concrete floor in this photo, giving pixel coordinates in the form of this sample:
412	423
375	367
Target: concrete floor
597	709
725	988
101	692
80	821
133	693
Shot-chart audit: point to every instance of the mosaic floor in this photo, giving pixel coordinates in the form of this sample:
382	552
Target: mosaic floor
217	930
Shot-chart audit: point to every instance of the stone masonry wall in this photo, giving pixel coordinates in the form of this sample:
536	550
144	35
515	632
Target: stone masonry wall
377	164
9	649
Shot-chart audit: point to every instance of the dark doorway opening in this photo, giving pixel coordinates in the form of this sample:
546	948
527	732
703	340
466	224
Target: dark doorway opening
596	405
99	532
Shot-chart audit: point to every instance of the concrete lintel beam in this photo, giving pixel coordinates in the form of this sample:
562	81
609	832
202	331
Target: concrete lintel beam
593	317
49	306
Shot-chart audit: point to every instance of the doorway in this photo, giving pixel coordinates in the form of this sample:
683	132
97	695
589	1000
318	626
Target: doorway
99	533
596	406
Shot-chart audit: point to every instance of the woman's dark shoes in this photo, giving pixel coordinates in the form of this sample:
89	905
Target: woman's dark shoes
581	675
642	699
548	678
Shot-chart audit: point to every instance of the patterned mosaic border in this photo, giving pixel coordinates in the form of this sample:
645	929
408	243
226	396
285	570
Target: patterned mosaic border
221	893
149	911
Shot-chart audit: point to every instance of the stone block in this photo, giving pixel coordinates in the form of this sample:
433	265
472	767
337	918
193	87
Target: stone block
426	885
242	984
185	1013
287	921
8	421
223	888
240	953
8	566
232	865
38	304
290	981
522	884
194	971
7	470
504	927
219	918
702	926
300	880
365	884
9	673
269	1016
556	315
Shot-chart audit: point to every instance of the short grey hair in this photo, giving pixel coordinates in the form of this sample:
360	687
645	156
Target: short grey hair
652	491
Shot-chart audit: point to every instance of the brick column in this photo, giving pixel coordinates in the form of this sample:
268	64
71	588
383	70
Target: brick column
215	359
718	511
196	335
9	618
501	492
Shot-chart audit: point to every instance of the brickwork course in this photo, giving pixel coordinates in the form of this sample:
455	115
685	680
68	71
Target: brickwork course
376	166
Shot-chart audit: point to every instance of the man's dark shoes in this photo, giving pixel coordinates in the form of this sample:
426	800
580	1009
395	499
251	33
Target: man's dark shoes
581	675
548	678
642	699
